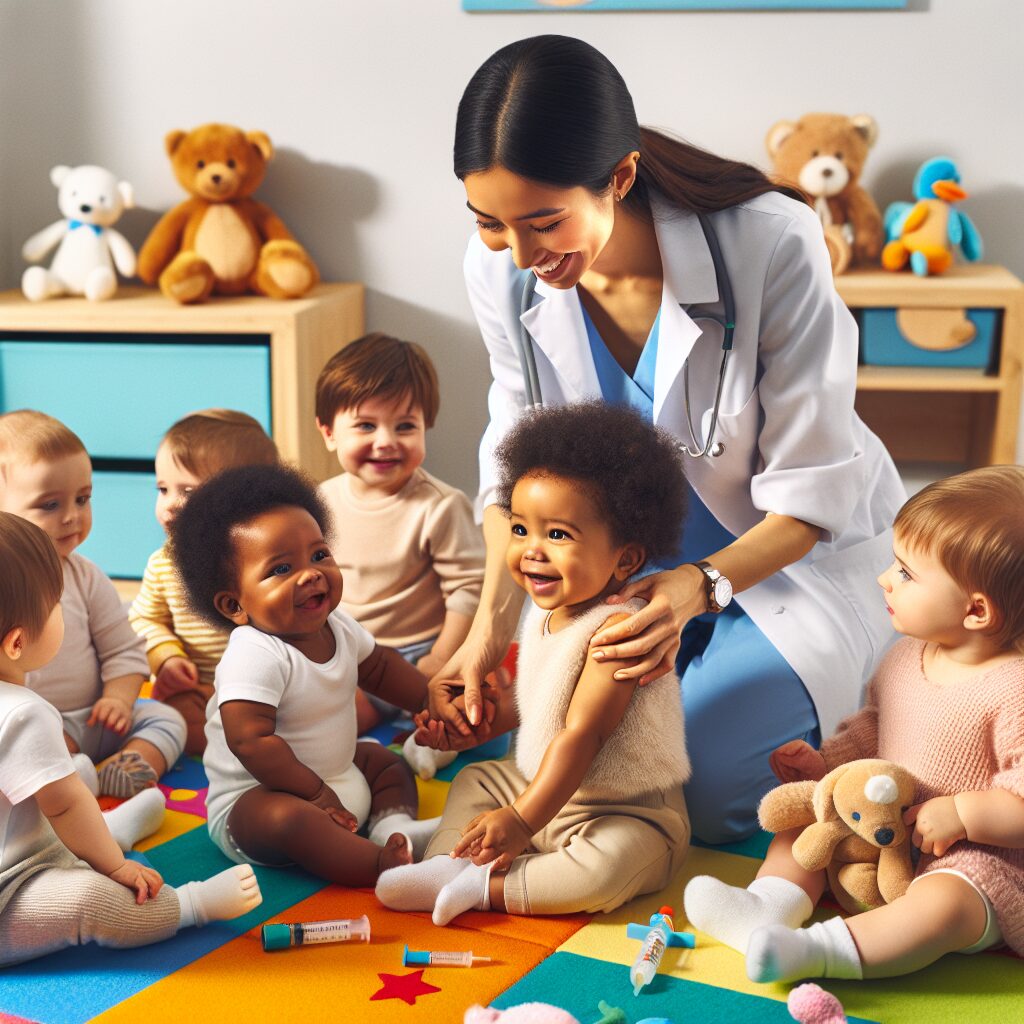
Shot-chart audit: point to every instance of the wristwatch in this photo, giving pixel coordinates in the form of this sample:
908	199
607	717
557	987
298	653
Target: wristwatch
717	587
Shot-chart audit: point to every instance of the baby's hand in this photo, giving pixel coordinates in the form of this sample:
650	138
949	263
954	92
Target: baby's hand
447	703
432	732
937	825
133	875
498	836
327	800
176	675
112	713
797	761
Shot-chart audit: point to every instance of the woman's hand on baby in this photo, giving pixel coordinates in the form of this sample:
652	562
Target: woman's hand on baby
469	671
437	734
111	713
797	761
133	875
327	800
176	675
499	836
937	825
648	641
448	702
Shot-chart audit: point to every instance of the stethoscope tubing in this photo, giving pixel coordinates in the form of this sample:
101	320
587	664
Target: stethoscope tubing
528	362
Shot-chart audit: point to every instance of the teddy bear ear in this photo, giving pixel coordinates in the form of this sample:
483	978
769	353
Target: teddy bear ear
127	194
172	140
58	175
777	135
262	142
867	126
824	792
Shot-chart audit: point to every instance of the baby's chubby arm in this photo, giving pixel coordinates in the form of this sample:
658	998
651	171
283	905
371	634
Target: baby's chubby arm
75	816
386	674
598	704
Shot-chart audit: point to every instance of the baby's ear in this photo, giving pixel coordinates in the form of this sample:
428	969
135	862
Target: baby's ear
13	644
327	433
227	604
631	560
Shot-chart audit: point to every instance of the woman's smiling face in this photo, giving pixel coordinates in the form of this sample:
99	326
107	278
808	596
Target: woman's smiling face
559	233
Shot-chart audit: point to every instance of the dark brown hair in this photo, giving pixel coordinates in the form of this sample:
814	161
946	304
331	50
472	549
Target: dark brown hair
973	523
32	579
206	442
555	110
377	366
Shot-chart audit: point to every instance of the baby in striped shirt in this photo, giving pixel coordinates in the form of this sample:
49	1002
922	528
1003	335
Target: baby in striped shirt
183	650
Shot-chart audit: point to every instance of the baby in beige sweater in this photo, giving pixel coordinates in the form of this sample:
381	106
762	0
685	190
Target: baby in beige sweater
948	704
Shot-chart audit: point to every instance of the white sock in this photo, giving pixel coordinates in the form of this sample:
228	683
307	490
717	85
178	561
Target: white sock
730	914
84	766
825	950
230	894
136	818
425	761
419	832
417	886
468	890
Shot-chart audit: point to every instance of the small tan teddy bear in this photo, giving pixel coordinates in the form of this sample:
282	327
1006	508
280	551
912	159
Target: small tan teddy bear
853	828
824	154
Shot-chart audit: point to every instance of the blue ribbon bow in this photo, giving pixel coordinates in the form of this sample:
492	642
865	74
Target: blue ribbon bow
82	224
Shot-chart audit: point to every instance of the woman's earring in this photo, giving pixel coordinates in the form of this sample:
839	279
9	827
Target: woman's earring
618	197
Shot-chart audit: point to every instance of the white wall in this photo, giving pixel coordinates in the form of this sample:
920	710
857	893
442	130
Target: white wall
360	98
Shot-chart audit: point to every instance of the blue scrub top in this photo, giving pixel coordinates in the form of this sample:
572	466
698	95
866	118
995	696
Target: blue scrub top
702	532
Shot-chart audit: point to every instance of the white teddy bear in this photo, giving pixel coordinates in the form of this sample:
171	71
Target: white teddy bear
91	199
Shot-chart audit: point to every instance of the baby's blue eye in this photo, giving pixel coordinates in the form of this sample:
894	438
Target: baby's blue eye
903	574
319	556
518	530
49	506
281	570
855	815
557	534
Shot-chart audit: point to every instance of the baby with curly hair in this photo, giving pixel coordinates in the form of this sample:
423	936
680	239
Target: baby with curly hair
590	812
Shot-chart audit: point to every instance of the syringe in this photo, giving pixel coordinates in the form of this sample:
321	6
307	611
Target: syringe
283	936
440	958
656	937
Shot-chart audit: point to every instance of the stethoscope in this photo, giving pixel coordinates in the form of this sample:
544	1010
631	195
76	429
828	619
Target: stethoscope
531	381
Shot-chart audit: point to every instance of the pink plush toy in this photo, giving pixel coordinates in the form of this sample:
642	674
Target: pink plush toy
526	1013
811	1004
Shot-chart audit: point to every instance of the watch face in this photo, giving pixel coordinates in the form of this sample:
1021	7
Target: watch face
723	592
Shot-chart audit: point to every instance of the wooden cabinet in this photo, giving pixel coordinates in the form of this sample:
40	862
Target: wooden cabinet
119	373
936	413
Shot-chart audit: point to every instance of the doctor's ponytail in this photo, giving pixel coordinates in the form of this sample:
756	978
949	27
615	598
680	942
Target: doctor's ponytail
555	110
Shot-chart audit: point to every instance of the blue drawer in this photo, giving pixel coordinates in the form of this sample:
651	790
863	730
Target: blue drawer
120	397
124	528
890	337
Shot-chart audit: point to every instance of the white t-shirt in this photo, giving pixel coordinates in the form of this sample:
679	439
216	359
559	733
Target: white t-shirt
316	710
32	755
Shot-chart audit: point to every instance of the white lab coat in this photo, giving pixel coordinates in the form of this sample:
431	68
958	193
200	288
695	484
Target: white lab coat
793	443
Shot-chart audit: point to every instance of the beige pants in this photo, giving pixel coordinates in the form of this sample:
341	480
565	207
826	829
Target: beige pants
590	857
61	907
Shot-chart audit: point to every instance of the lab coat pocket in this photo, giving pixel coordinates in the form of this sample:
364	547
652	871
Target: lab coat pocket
852	573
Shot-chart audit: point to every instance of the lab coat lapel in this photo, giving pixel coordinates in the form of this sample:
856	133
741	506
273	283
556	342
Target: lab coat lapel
557	328
689	279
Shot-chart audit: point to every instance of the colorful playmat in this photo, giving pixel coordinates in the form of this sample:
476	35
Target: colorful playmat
221	974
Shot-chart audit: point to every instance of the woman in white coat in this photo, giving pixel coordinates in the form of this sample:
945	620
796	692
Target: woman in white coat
792	502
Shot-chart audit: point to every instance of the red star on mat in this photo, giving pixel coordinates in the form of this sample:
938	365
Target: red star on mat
404	986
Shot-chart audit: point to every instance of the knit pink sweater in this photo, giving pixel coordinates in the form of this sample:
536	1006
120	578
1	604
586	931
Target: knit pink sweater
955	739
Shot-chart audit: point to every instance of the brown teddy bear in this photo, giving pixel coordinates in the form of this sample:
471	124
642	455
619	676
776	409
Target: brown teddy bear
824	154
220	240
853	827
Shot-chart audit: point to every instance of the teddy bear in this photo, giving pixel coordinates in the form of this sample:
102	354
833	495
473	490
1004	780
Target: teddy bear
824	155
88	249
852	822
220	239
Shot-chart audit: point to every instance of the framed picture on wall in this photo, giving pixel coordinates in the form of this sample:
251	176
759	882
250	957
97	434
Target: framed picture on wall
680	5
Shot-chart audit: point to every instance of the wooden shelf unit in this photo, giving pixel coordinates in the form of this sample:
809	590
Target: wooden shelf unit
120	372
934	414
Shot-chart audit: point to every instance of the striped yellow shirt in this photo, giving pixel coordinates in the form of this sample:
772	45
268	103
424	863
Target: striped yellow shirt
160	615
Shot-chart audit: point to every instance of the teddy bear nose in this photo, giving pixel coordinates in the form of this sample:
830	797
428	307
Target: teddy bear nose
216	179
827	172
884	836
85	208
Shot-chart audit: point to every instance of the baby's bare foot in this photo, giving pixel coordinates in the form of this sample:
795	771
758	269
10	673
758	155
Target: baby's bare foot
395	852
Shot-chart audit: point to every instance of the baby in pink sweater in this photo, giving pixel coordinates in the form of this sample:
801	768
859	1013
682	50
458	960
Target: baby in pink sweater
948	704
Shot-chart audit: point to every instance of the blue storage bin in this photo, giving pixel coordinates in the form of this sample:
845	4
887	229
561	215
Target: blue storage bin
124	527
121	396
884	343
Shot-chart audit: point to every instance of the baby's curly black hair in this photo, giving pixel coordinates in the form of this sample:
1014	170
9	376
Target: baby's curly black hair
631	469
201	546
